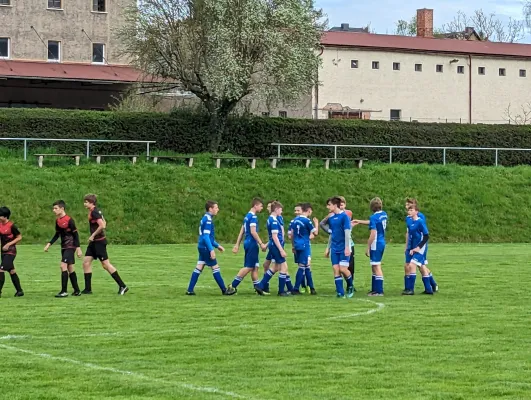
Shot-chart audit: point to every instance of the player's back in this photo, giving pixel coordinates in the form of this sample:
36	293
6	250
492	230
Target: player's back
378	222
301	227
274	227
249	221
338	223
206	227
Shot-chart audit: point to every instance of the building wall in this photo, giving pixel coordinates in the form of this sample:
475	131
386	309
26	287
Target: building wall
65	26
426	96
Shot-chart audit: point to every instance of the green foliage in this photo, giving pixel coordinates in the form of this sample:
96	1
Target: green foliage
162	203
188	132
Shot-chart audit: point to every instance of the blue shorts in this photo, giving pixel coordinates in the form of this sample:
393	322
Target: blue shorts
204	258
302	257
339	258
419	259
376	256
275	255
252	251
268	257
409	257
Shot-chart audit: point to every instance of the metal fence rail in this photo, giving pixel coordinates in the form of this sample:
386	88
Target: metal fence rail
496	150
87	141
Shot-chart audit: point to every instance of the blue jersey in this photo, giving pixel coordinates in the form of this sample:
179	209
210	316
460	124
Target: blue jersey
250	220
338	224
280	220
409	221
274	226
378	222
417	230
206	239
301	227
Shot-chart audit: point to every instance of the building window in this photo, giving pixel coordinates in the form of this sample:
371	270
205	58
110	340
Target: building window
396	66
396	115
54	50
55	4
98	53
283	114
501	72
353	63
523	73
265	114
439	68
481	70
460	69
5	2
98	6
418	67
4	47
375	65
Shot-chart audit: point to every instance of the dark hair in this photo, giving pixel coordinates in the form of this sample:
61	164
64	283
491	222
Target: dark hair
209	204
275	205
5	212
413	207
59	203
91	198
410	200
256	201
334	200
299	205
306	206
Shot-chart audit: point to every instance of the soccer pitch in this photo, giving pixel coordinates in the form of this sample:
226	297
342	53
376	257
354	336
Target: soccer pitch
469	341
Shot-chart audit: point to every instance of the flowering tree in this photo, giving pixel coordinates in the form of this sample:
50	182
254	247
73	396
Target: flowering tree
225	50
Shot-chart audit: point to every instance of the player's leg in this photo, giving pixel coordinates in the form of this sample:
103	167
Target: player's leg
272	269
376	257
344	263
302	260
338	279
8	265
90	255
216	273
242	273
406	268
426	280
308	275
267	264
283	271
73	280
64	279
351	265
101	254
197	272
411	277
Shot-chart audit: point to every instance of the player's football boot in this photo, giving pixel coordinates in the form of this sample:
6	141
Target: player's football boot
313	292
229	291
61	294
85	291
123	290
19	294
76	294
424	292
408	293
284	294
350	292
190	293
375	294
341	296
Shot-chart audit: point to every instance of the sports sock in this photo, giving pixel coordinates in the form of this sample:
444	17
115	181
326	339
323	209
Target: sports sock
16	282
237	280
117	279
2	280
299	278
432	281
265	280
281	282
88	281
427	284
64	281
289	285
378	284
411	282
373	283
350	281
73	281
339	285
216	273
193	279
309	279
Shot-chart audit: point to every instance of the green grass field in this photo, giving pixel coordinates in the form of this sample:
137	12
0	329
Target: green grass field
470	341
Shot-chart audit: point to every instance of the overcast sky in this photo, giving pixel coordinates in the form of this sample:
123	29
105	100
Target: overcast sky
383	14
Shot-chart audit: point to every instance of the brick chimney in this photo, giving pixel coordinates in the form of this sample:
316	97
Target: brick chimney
425	23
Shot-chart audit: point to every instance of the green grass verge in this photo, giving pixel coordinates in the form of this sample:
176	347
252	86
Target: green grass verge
163	203
467	342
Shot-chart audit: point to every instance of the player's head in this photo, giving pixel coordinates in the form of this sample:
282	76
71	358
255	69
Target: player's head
411	202
269	206
376	204
413	211
333	204
298	209
257	204
89	201
343	204
59	207
212	207
276	207
5	214
306	209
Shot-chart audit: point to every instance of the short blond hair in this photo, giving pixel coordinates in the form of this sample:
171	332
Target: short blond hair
376	204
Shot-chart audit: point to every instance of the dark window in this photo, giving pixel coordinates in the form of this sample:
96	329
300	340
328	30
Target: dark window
98	52
265	114
523	73
439	68
460	69
501	72
375	65
396	115
5	2
418	67
353	63
481	70
283	114
396	66
54	50
4	47
98	5
54	4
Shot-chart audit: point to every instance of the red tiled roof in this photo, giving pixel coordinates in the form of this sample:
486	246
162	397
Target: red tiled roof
393	42
64	71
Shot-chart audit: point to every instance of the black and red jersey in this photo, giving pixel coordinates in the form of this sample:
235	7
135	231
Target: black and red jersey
8	232
93	217
65	228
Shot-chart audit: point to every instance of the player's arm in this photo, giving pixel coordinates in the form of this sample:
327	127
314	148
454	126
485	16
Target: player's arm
355	222
205	236
347	230
238	241
407	238
327	250
17	238
425	238
54	239
372	238
256	237
274	235
101	226
324	224
315	228
75	234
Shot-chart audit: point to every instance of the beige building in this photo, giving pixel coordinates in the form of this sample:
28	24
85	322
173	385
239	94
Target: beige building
421	78
62	53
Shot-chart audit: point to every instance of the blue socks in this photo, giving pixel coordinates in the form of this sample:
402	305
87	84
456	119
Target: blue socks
432	281
288	283
219	280
339	285
378	284
410	282
265	280
237	280
299	277
281	282
350	281
309	279
193	279
427	284
373	286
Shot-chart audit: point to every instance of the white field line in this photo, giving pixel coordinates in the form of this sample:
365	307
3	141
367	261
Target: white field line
379	307
204	389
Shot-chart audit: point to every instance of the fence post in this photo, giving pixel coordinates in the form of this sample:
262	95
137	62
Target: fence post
25	149
390	155
147	156
444	156
278	151
496	157
88	148
335	152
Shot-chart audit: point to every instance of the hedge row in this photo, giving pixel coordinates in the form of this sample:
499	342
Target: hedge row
185	132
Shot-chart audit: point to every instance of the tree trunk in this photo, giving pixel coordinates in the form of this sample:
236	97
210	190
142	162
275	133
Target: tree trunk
219	114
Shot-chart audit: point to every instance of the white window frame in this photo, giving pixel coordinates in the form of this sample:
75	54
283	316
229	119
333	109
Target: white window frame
100	12
55	8
48	51
7	5
8	49
103	55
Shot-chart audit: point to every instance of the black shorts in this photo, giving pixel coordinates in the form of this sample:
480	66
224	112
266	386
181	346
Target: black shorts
8	262
97	250
68	256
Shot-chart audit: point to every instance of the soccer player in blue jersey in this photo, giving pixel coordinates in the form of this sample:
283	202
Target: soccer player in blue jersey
423	269
252	245
276	251
339	246
298	211
376	244
302	229
417	240
206	246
